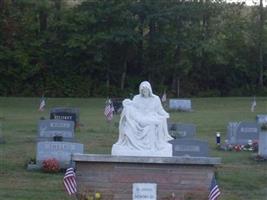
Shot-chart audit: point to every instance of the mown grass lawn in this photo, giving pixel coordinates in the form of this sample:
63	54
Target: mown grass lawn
239	176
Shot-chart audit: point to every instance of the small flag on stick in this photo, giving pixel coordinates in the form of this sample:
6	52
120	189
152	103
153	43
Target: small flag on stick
70	181
253	104
214	190
42	104
109	109
164	97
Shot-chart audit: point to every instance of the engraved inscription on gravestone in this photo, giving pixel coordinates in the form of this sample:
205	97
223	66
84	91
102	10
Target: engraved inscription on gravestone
61	151
49	129
242	132
144	191
190	147
64	113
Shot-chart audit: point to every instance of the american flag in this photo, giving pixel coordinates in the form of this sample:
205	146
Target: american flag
214	190
164	97
42	104
109	109
70	181
253	105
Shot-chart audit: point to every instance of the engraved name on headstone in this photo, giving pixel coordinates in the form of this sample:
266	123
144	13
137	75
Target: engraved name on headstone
50	129
190	147
65	113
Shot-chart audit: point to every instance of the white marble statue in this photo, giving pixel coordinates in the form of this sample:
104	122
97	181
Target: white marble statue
143	126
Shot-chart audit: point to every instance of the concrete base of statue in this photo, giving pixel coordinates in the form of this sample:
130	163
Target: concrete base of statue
118	150
115	177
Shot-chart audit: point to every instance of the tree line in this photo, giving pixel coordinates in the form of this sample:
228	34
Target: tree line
107	47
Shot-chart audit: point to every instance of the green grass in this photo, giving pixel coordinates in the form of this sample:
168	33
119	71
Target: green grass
239	176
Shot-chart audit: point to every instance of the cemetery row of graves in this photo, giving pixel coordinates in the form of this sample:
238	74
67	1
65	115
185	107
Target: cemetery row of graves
67	129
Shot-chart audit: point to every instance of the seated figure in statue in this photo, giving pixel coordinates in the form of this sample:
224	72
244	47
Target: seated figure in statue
143	126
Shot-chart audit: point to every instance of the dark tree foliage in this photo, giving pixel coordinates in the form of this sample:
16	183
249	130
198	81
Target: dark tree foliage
107	47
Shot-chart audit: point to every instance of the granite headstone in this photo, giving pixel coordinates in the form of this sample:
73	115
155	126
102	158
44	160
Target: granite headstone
190	147
49	130
182	130
61	151
65	113
261	119
242	132
180	104
263	144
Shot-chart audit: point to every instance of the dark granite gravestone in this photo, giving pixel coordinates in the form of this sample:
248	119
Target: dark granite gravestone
61	151
55	130
261	119
242	132
182	130
190	147
64	113
180	104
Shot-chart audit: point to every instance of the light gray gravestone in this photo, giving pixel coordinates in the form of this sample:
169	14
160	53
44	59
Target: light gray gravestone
50	130
66	113
182	130
242	132
180	104
263	144
144	191
261	119
190	147
61	151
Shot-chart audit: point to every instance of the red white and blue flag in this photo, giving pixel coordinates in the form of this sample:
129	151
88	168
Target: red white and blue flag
164	97
109	109
70	181
214	190
42	104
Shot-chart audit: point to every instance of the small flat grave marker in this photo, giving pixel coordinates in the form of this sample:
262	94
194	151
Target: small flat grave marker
144	191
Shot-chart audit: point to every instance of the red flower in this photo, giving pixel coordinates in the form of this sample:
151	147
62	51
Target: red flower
51	165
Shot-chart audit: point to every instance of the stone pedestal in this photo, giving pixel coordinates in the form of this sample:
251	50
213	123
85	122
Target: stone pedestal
114	176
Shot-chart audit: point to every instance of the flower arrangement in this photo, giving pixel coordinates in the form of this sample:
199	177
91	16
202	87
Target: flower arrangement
90	196
51	165
250	146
